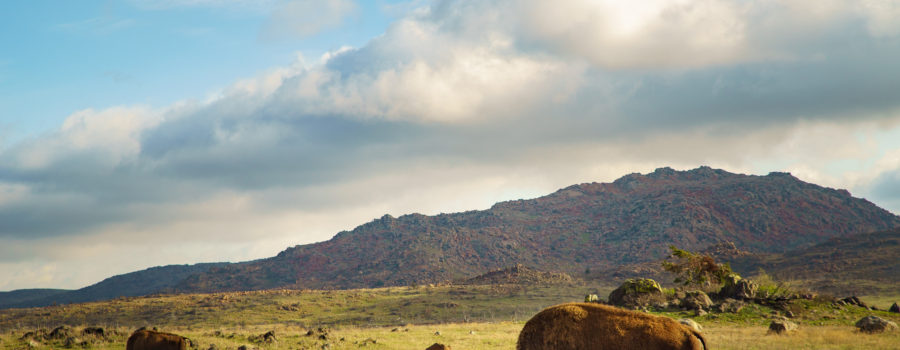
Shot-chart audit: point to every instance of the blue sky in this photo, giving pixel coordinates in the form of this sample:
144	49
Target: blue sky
232	129
64	56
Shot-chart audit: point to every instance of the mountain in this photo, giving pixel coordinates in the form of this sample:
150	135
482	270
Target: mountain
24	296
153	280
860	264
586	227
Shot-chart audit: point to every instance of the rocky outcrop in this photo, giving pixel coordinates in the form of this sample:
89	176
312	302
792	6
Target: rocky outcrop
739	288
875	324
854	301
637	292
696	300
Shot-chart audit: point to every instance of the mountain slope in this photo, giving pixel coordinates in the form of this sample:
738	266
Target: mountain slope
589	226
153	280
861	264
23	296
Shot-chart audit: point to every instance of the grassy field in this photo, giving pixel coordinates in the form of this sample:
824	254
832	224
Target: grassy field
465	317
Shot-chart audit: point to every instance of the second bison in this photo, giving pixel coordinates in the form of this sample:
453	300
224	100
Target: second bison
581	326
144	339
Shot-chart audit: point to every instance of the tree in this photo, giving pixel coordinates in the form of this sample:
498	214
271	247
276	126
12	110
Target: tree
695	269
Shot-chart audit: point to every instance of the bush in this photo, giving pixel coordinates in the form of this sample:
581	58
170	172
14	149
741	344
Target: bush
771	288
692	269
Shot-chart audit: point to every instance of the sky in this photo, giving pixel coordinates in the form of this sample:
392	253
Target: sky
139	133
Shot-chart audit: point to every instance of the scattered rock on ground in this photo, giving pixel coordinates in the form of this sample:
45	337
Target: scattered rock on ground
852	301
93	331
438	346
875	324
782	327
660	305
731	305
268	338
699	312
61	332
894	308
691	323
696	300
367	342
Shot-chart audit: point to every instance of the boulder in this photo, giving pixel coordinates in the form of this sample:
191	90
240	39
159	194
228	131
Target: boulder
699	312
93	331
636	293
269	337
731	305
853	301
696	299
894	308
690	323
782	326
438	346
737	288
60	333
875	324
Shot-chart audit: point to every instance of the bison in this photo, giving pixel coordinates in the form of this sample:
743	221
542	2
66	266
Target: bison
580	326
144	339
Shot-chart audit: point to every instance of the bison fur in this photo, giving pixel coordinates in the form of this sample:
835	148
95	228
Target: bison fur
151	340
582	326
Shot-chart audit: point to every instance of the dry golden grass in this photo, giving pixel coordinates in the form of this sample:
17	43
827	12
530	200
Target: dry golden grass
484	336
495	315
736	337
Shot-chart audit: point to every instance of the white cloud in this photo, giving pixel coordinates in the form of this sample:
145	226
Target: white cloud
640	34
112	132
881	16
303	18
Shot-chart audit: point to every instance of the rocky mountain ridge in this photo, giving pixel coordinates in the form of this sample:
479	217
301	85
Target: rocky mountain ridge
592	226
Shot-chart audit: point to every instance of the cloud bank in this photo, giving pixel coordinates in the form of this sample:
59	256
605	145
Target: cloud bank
456	106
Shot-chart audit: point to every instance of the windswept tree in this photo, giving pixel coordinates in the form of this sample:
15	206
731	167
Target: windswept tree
691	269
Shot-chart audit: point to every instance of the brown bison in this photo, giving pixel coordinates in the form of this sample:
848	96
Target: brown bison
144	339
581	326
